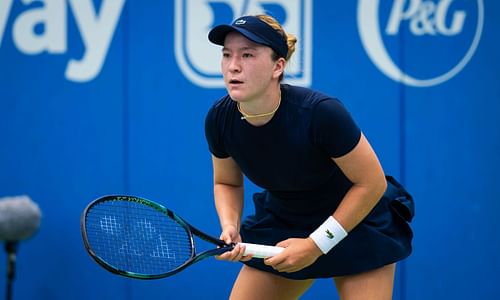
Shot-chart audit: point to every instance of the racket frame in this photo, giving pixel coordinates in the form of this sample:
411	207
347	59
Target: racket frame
222	246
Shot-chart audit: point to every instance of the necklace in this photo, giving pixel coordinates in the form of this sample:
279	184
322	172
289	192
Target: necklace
247	116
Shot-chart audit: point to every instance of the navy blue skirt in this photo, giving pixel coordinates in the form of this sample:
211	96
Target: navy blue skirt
382	238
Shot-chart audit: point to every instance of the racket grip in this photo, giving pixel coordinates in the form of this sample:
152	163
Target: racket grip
261	251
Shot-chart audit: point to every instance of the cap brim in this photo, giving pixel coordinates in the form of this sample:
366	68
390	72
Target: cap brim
218	35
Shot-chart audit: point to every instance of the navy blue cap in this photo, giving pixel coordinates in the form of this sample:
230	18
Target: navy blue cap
253	29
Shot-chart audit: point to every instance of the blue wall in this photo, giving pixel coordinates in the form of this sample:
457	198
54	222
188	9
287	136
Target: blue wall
116	104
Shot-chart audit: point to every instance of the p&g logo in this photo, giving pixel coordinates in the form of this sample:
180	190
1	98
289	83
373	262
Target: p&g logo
438	37
199	60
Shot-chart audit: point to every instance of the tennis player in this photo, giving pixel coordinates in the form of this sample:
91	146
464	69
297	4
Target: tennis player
323	186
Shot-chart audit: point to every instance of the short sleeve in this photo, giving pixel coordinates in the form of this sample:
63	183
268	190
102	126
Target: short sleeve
333	128
213	133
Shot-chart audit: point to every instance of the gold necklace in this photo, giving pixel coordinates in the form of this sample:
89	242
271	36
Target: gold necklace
247	116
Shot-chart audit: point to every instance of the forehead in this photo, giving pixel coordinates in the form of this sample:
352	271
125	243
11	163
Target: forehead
235	40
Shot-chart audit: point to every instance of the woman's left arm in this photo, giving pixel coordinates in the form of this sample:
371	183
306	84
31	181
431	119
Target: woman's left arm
362	167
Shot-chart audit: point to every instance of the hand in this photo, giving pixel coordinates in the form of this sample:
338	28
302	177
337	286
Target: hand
298	254
231	235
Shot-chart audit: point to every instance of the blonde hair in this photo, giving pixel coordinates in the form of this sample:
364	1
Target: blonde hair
291	40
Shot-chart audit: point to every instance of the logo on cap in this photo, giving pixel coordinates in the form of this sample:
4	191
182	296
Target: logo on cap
240	22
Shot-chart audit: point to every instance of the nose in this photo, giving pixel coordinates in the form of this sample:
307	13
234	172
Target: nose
234	65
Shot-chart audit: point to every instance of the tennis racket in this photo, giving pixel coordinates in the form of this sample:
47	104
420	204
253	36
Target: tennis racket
138	238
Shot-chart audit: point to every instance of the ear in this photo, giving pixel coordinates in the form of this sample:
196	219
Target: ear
279	67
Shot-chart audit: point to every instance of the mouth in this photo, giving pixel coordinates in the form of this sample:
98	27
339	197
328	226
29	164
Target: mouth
235	82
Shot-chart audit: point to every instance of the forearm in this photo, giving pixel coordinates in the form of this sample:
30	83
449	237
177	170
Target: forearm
356	205
358	202
363	169
229	204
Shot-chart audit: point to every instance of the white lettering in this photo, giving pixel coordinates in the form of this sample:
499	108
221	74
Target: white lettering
97	31
422	22
44	29
398	15
53	39
5	7
425	17
457	23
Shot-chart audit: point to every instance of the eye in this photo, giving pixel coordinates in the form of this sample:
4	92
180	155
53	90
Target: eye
246	55
225	54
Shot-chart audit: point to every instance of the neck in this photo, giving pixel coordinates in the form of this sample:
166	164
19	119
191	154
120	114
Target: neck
261	105
245	115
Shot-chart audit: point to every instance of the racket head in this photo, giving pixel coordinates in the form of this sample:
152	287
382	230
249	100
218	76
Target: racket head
135	237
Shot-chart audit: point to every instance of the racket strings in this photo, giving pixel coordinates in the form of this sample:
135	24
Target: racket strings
138	238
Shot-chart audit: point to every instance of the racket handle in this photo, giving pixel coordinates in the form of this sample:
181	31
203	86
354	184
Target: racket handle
261	251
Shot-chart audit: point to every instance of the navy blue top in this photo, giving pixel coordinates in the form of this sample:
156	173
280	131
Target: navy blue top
290	158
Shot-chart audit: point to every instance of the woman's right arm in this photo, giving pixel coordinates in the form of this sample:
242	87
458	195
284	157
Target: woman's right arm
228	195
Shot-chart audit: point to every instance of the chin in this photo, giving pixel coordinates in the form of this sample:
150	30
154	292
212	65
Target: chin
235	96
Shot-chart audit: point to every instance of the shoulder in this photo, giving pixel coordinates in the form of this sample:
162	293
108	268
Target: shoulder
305	97
220	109
216	122
222	104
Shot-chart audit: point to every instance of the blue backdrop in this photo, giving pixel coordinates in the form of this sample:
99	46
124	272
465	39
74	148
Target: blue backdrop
102	97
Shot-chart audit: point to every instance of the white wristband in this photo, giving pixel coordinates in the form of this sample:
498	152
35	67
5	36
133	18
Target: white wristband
328	234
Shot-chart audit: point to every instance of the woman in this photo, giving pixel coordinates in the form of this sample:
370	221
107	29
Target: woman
323	184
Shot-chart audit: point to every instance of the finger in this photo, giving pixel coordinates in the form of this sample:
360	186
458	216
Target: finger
288	268
247	257
229	255
269	261
226	239
224	256
282	267
295	268
274	261
284	243
237	253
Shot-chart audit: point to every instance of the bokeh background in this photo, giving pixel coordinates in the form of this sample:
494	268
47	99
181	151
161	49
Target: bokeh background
107	97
